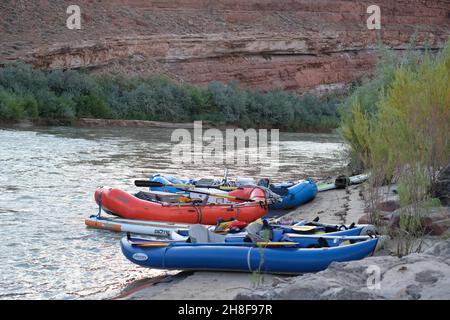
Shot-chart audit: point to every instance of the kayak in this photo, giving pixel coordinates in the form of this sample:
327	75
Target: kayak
176	231
162	207
343	181
292	194
153	228
268	257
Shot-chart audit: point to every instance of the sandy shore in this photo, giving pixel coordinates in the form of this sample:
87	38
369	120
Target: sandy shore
333	206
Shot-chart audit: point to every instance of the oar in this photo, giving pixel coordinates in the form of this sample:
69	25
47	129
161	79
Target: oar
146	183
138	184
214	244
316	236
313	236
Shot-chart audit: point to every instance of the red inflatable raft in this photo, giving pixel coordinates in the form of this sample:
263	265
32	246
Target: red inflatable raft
128	206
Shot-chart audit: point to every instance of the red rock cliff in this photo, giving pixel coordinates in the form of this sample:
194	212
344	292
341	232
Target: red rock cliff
292	44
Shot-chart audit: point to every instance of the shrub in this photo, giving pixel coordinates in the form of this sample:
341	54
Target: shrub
92	106
69	94
404	135
10	106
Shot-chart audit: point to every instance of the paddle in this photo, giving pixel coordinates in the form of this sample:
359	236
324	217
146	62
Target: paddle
139	184
146	183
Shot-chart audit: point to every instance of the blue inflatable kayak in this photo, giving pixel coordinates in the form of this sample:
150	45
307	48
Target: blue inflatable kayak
292	194
281	257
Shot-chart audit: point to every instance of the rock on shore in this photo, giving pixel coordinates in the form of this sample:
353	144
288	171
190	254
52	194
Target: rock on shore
416	276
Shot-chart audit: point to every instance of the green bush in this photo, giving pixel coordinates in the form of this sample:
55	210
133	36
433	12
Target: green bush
402	133
16	107
10	107
92	106
54	107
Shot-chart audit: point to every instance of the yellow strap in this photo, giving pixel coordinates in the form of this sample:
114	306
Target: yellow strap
303	228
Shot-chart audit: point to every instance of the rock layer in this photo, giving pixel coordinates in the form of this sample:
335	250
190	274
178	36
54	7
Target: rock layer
298	44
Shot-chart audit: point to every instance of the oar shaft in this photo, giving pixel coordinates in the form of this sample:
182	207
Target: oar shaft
324	236
220	244
219	195
145	183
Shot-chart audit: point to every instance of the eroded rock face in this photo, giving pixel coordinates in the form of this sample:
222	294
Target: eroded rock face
300	45
416	276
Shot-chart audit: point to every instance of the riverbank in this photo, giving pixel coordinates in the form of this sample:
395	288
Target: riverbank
102	123
334	206
423	275
123	123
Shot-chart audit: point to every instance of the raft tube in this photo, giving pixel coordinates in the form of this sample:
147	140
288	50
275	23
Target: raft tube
178	231
153	228
242	257
125	205
294	194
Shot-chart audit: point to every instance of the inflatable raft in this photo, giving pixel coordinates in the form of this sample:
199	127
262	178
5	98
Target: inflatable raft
292	194
125	205
153	228
342	182
177	231
274	257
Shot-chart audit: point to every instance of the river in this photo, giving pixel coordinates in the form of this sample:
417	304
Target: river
47	179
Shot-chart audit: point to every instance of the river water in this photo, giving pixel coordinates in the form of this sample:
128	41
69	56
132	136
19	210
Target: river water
47	180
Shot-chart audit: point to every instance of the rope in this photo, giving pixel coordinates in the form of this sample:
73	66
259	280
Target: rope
249	264
99	204
198	210
164	257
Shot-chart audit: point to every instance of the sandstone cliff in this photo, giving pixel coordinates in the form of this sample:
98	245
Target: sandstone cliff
293	44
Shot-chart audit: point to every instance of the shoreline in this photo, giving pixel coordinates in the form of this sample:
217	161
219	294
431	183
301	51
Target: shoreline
338	206
126	123
329	206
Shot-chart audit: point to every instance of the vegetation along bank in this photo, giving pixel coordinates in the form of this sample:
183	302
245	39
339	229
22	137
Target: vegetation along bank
27	93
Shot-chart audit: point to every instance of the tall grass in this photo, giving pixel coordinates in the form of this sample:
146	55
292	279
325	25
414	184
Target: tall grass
397	125
26	92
